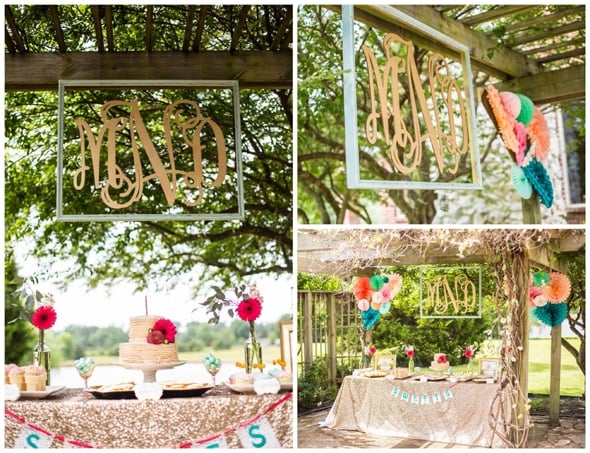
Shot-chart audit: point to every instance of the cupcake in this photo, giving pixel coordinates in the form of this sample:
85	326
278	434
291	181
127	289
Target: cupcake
35	378
7	369
17	376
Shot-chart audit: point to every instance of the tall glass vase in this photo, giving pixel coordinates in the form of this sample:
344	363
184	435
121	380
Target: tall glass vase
252	350
42	355
411	365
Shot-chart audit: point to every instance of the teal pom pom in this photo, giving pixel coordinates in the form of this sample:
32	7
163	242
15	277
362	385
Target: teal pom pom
521	184
377	282
527	110
539	179
384	308
370	317
551	314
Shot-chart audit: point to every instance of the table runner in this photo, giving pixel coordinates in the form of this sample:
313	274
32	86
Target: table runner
419	410
173	422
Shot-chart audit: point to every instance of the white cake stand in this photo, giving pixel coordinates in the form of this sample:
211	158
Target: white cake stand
149	369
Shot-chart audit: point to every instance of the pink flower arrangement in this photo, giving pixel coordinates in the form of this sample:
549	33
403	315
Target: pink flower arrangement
372	350
44	317
249	309
163	331
441	359
410	351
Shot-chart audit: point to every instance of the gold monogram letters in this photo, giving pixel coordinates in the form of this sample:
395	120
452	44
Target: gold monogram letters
459	296
120	186
439	116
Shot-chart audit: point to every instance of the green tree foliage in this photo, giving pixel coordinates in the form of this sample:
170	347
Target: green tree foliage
150	252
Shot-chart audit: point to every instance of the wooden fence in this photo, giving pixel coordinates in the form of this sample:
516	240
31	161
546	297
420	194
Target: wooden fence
328	329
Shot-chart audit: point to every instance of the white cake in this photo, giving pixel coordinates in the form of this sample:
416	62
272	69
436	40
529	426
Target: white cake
138	350
440	362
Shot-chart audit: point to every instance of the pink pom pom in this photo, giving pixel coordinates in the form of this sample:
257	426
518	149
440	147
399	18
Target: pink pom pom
363	305
520	133
511	103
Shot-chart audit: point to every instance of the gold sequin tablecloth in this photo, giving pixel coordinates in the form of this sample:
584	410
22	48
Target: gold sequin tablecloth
379	406
164	423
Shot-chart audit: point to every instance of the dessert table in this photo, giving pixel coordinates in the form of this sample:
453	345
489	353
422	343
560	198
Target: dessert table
73	418
439	411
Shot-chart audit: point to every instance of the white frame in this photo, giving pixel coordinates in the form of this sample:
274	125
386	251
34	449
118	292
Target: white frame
496	368
146	84
354	180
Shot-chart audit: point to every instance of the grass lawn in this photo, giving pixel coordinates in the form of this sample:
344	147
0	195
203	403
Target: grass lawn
572	379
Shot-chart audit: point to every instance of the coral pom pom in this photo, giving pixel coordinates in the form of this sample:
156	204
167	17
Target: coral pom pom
511	103
558	289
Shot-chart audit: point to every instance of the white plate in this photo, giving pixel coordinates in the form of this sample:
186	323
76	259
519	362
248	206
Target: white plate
42	394
249	388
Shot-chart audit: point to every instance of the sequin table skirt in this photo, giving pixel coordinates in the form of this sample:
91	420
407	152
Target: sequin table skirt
71	418
456	413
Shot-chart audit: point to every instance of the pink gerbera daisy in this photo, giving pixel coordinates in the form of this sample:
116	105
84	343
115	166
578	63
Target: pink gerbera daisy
167	328
44	317
249	309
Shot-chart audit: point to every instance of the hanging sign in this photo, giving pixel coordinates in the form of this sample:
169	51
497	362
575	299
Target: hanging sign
450	292
417	121
149	150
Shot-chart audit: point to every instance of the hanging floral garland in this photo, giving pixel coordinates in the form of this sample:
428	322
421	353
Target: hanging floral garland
548	293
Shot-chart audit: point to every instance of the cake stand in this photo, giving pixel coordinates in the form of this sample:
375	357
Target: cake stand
149	369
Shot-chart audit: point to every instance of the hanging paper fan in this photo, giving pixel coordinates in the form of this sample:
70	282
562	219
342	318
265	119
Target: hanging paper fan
521	183
385	307
362	288
558	288
539	179
395	283
551	314
541	278
386	292
377	282
363	304
369	318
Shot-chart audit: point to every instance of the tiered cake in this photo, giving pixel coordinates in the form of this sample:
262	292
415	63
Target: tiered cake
440	362
138	350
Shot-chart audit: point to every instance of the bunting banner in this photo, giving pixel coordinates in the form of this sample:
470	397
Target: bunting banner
421	400
255	432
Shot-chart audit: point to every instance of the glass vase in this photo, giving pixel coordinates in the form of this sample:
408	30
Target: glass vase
470	366
42	355
411	365
252	353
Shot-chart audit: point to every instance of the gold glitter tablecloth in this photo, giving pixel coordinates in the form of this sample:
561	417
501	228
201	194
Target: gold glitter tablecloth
461	417
146	424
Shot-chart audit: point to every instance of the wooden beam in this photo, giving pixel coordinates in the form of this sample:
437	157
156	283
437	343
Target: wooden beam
576	43
16	37
555	376
551	86
97	27
108	20
561	55
149	28
238	30
200	28
59	36
9	42
42	71
495	13
487	54
542	18
549	33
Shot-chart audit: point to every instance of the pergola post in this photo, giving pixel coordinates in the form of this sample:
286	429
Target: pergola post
332	354
554	384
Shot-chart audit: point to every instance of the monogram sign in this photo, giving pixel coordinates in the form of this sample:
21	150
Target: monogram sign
168	155
416	120
450	292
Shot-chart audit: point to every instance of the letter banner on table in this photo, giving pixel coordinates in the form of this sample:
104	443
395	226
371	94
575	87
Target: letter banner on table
436	397
30	438
425	399
395	392
448	394
258	435
218	442
415	399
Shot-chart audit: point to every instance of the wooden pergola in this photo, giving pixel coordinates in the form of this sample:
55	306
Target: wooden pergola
353	252
251	44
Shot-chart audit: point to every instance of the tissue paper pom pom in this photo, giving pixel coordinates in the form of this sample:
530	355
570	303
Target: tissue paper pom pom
521	184
541	278
505	123
558	289
538	132
527	110
375	305
369	318
540	301
385	307
386	293
377	297
520	133
376	282
511	103
395	283
363	305
362	288
551	314
539	179
534	292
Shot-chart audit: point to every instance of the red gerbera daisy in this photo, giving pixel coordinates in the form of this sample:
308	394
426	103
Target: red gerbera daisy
44	317
469	353
442	359
167	328
410	353
249	309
